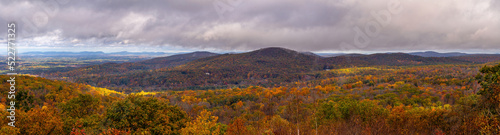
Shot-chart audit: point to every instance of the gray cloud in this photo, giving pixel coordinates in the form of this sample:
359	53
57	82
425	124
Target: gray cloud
306	25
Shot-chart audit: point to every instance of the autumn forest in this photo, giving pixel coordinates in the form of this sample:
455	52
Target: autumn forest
271	91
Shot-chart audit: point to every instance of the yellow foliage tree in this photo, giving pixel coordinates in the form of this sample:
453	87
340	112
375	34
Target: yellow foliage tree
40	121
204	124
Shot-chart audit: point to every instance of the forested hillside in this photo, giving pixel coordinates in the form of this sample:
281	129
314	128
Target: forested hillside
393	59
426	99
264	67
479	58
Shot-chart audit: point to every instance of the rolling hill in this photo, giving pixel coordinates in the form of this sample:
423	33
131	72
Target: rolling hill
204	70
479	58
389	59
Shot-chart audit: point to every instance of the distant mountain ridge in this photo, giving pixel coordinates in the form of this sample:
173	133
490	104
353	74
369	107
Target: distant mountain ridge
55	53
422	54
390	59
436	54
266	66
62	54
155	63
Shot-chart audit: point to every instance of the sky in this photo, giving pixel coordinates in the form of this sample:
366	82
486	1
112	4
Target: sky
344	26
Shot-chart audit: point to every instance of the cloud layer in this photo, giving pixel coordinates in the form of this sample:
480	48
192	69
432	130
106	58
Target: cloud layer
305	25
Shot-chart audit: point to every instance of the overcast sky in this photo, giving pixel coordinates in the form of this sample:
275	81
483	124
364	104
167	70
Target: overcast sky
242	25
